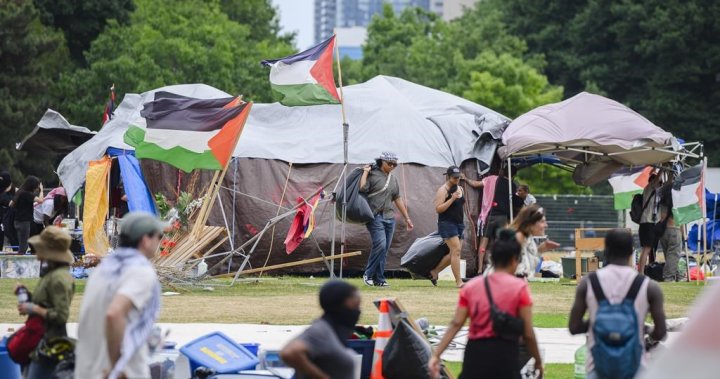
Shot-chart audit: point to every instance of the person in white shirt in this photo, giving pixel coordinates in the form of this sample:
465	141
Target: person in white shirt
120	305
523	192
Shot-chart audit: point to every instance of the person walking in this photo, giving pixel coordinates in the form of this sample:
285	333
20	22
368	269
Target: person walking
493	351
382	191
320	351
52	296
30	192
531	223
670	234
616	292
450	207
121	304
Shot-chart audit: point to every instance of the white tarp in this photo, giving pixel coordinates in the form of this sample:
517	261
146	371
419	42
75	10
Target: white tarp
422	125
592	122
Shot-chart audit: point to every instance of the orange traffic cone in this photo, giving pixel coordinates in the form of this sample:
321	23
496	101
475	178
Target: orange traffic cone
382	335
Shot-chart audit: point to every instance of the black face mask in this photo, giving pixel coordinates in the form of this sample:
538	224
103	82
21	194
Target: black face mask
343	321
44	268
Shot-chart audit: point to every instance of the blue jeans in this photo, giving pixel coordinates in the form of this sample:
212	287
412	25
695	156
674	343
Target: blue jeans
381	232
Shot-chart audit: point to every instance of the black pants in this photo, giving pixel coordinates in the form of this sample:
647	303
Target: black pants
23	233
491	358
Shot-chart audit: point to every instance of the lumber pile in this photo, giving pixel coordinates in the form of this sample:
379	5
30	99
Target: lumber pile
188	247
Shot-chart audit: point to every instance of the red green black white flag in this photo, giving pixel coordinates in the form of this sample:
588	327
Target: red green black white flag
305	78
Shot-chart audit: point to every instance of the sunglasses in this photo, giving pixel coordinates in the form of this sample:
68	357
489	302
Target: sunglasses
391	164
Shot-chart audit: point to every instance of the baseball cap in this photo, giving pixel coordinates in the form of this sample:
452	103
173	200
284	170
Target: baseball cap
388	156
137	224
453	172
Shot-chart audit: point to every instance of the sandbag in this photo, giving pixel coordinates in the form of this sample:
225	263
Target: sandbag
424	254
358	209
407	354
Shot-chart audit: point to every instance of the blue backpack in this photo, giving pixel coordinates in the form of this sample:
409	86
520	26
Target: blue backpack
617	351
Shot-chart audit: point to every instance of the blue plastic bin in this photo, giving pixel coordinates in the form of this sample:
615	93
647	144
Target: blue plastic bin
8	368
366	348
253	348
219	352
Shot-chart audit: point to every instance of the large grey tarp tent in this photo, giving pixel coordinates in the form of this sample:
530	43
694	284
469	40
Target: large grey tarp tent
302	146
54	135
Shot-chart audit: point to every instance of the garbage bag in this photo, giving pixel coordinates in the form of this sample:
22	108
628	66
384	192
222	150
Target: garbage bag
424	254
358	210
407	354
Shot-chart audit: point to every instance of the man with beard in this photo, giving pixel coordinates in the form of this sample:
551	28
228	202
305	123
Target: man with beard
320	351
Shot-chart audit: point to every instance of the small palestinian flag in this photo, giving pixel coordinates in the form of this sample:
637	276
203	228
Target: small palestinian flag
305	78
627	183
189	133
687	195
109	107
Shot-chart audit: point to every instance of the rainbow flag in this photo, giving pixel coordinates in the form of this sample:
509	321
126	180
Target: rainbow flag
305	78
189	133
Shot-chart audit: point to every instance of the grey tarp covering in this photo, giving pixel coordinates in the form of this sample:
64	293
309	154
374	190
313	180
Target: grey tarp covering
592	123
420	124
72	169
54	135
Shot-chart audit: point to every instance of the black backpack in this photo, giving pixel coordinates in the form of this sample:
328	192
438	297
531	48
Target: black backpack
637	208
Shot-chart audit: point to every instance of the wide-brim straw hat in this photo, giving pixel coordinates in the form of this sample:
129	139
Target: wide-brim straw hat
52	245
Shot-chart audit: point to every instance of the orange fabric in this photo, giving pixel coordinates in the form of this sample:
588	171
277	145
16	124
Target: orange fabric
223	143
96	207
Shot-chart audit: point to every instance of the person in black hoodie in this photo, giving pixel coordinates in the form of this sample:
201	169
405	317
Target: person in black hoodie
7	192
320	351
30	192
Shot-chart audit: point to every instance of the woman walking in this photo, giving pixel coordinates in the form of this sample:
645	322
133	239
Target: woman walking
450	207
493	350
53	294
531	223
30	192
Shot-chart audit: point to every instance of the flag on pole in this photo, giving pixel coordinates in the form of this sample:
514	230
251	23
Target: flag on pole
305	78
189	133
109	106
627	183
687	195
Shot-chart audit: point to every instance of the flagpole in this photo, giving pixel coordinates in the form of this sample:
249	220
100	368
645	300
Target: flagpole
346	132
704	213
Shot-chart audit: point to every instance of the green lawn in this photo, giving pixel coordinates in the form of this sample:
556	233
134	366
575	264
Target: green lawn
293	301
552	371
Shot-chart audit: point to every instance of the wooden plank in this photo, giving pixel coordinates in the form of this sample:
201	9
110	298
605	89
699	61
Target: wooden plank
289	264
222	241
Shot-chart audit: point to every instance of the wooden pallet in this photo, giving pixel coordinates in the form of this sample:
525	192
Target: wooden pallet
188	247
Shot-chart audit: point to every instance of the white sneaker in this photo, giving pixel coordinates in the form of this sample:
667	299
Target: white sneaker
367	281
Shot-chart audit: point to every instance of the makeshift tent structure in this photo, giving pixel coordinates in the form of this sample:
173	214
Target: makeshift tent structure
302	146
54	135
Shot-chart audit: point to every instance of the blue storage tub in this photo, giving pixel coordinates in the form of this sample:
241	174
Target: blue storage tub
219	352
366	348
8	368
253	348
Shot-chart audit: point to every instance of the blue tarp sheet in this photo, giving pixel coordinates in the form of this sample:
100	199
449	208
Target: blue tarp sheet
712	205
138	194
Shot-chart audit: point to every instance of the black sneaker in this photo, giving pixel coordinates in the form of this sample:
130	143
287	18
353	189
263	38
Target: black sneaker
382	284
367	281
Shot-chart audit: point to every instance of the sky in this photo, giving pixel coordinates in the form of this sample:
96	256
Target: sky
297	16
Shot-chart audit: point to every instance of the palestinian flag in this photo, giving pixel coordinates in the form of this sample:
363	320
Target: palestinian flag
627	183
687	195
109	107
189	133
305	78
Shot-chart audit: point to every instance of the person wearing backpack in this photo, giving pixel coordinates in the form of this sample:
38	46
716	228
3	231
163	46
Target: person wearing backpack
617	300
646	230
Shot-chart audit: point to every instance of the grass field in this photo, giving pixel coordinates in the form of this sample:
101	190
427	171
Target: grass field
552	371
293	301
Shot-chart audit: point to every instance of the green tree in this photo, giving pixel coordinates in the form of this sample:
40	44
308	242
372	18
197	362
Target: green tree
31	57
82	20
661	58
169	42
259	15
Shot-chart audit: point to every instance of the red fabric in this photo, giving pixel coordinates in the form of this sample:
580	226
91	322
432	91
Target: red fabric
322	70
25	340
509	293
296	234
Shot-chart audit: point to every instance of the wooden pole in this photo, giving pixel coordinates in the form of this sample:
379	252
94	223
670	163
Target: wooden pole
704	215
289	264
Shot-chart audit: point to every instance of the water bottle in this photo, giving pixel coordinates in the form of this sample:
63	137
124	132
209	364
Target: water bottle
202	268
580	354
23	295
